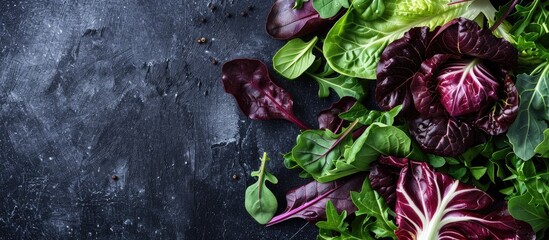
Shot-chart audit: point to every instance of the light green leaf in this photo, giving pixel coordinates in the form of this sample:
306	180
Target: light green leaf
378	139
316	151
369	202
334	220
299	3
369	9
543	148
526	132
294	58
327	8
367	117
342	85
259	201
353	46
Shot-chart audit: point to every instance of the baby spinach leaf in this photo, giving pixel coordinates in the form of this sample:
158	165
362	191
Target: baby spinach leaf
294	58
258	97
309	201
328	8
526	132
316	151
259	201
378	139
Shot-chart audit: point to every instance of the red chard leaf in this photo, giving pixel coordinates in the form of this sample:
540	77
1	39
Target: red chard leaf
329	118
257	95
284	22
309	201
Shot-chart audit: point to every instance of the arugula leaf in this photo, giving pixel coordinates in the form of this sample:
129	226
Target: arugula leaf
259	201
353	46
370	203
329	8
373	217
526	132
294	58
342	85
335	222
530	201
532	17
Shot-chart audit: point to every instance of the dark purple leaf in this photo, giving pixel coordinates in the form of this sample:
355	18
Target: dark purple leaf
257	95
384	176
434	206
463	37
443	136
424	86
499	117
329	118
398	63
309	201
284	22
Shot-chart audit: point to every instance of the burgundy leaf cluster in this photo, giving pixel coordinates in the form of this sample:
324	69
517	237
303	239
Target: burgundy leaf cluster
452	82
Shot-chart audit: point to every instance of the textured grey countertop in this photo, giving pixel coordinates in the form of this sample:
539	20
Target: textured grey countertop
114	123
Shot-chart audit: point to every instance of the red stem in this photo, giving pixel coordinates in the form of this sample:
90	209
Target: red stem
502	18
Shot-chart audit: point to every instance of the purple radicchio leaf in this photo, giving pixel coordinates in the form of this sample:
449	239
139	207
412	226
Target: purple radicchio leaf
443	136
463	37
434	206
284	22
384	176
499	117
397	65
466	86
256	94
329	118
309	201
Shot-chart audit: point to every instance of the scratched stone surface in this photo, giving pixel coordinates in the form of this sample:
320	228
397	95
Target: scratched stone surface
90	90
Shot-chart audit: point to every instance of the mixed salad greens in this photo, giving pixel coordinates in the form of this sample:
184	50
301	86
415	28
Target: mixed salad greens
456	145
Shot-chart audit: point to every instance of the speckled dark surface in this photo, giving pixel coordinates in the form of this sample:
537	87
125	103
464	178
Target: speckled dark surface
90	90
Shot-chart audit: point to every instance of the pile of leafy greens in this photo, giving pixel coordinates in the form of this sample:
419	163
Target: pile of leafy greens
456	145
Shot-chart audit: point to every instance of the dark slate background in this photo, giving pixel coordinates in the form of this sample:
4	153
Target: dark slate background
92	89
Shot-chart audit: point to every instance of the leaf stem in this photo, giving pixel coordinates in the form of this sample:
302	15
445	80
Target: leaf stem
502	18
